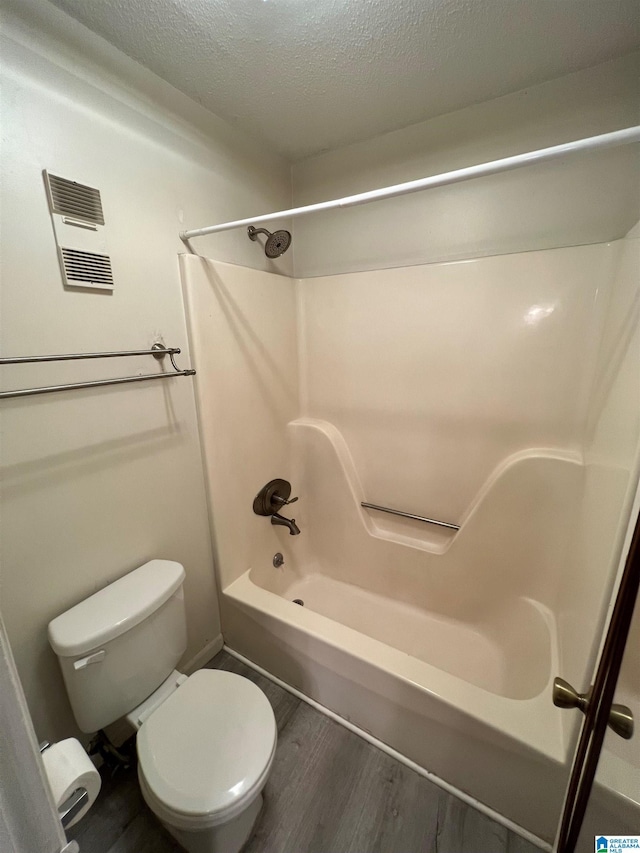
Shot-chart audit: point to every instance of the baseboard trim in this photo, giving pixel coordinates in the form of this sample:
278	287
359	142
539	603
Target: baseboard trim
204	656
451	789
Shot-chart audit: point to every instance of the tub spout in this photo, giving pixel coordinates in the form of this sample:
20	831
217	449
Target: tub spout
276	518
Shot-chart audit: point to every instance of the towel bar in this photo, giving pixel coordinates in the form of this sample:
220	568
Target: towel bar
157	351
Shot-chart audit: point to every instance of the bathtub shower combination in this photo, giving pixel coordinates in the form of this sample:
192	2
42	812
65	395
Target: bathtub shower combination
492	405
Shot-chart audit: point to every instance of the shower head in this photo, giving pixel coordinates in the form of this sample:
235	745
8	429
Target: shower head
276	244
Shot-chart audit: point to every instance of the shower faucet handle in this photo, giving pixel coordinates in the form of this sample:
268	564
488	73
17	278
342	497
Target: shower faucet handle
273	497
282	501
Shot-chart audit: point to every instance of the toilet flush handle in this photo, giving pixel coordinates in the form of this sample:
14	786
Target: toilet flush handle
95	657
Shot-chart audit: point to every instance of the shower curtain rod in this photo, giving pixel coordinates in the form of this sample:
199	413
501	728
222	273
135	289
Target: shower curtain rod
591	143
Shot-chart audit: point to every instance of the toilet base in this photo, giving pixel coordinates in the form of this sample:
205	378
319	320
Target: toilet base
229	837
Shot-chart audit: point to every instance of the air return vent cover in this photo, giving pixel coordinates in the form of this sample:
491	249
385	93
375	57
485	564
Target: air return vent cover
78	222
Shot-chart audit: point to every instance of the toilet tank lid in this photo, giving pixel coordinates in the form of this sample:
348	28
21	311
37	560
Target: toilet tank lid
115	609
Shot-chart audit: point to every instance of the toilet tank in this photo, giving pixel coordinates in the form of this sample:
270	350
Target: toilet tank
118	645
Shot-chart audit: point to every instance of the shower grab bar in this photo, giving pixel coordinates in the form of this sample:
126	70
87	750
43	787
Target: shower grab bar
625	136
411	515
157	351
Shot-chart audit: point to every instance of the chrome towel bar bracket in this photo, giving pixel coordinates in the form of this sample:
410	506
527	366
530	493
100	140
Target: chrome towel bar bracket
158	351
411	515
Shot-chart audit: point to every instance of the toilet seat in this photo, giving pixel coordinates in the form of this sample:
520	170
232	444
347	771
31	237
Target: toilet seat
207	750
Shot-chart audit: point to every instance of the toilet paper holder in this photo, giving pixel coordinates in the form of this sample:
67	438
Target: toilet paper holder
74	802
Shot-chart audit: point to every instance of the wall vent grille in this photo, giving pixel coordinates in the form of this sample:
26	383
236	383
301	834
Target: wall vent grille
78	223
87	269
70	198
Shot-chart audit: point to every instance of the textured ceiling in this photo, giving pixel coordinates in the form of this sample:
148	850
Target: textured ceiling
310	75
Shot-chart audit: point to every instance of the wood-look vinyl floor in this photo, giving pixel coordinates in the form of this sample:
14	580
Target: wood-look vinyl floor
329	792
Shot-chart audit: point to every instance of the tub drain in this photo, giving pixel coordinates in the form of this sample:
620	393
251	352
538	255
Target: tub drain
298	601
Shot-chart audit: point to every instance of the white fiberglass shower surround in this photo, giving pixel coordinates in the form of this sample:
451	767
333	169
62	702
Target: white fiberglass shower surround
500	394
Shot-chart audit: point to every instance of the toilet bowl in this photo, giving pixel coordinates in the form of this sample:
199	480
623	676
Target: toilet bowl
205	743
204	757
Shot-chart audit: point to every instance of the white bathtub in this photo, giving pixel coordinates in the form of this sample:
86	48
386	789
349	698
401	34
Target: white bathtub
454	697
443	646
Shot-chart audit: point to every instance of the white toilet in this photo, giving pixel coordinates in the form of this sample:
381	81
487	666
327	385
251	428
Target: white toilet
205	743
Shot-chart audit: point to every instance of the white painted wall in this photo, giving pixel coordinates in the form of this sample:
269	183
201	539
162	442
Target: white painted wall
583	199
97	482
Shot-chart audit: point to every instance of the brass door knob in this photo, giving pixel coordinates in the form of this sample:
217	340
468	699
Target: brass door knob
566	696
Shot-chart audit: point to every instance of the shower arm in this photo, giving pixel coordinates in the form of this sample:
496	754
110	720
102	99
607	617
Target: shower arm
253	232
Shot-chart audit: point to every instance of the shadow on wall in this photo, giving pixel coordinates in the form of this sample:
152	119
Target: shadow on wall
256	350
22	477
